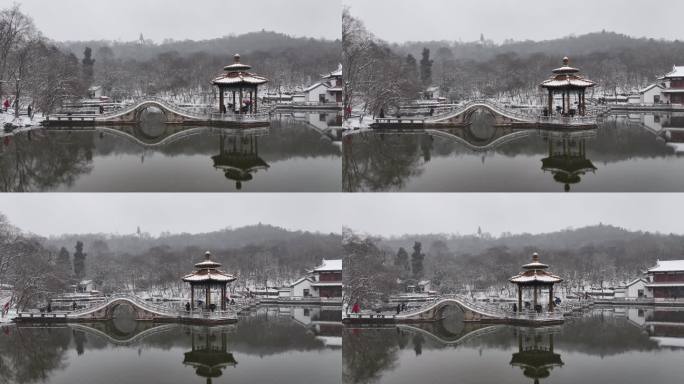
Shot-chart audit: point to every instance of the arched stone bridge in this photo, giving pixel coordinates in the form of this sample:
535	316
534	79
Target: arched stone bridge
173	114
463	114
472	313
141	309
433	311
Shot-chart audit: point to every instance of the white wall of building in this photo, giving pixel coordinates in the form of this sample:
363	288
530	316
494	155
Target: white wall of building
313	95
649	96
298	289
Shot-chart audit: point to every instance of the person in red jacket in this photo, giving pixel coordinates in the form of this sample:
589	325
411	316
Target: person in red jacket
356	308
6	104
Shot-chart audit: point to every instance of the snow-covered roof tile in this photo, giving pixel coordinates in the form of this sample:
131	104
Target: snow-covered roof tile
668	266
330	266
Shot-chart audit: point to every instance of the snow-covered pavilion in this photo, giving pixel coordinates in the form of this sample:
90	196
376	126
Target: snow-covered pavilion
241	83
567	81
536	277
206	277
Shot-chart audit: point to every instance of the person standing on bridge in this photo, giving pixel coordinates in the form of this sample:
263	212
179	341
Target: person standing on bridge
101	109
74	306
398	308
187	307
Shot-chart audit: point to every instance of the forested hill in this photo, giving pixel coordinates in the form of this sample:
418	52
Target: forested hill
596	253
257	253
590	43
173	65
229	238
246	43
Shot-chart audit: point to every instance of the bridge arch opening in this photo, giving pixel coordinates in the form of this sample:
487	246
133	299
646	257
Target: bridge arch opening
152	118
481	125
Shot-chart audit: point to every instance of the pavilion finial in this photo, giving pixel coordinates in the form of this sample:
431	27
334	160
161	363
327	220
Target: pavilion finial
566	61
237	58
207	255
535	257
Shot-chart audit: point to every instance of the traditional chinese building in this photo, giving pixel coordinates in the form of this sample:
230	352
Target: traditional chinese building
327	91
666	280
207	279
673	86
535	278
571	86
327	279
240	86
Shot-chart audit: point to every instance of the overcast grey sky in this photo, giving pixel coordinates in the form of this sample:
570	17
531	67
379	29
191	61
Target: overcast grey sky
178	19
410	20
379	214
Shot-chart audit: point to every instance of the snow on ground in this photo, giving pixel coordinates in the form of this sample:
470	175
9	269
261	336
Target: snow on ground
19	124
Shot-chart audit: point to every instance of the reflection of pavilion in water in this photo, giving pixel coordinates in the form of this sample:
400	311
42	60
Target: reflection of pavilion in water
238	158
567	159
536	356
209	354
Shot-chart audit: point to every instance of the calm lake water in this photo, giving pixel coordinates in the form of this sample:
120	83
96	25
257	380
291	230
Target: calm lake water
297	153
605	346
286	345
639	153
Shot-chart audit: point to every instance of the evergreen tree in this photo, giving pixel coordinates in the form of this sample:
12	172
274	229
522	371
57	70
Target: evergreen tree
411	66
426	68
63	258
88	66
402	260
417	261
79	260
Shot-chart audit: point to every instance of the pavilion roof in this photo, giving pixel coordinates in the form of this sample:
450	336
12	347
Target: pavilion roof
566	77
570	165
238	74
207	271
535	272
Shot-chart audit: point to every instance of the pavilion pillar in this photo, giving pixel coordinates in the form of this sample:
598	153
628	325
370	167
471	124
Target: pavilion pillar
192	297
256	98
251	102
222	105
551	298
234	104
207	294
563	97
535	296
240	106
569	105
519	298
550	102
223	297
